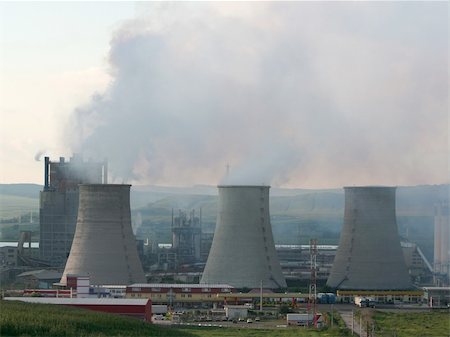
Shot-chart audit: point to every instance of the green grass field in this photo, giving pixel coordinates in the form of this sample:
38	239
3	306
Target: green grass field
412	324
26	319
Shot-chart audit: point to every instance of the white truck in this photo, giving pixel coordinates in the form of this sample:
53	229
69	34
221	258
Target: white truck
299	319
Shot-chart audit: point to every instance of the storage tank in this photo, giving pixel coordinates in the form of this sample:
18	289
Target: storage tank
104	246
369	256
243	251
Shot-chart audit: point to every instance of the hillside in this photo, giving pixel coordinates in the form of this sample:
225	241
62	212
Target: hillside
297	214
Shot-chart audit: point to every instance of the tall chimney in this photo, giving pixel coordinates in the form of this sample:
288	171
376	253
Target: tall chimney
46	172
243	251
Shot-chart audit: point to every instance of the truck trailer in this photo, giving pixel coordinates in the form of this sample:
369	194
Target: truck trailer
302	319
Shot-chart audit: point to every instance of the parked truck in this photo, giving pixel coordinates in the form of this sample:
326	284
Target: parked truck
326	298
302	319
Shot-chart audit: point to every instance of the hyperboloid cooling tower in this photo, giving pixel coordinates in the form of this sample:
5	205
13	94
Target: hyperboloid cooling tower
243	251
104	246
369	256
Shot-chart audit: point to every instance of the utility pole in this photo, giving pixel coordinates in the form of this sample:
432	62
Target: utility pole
261	298
360	323
313	281
332	322
353	323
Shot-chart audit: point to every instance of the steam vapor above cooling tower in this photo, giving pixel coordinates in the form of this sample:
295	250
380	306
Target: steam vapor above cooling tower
243	250
104	246
369	256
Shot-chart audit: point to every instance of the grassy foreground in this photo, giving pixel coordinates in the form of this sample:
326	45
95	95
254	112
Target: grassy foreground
29	319
412	324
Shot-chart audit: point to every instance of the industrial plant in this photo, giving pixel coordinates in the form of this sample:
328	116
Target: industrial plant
59	204
441	245
88	250
186	237
369	256
243	250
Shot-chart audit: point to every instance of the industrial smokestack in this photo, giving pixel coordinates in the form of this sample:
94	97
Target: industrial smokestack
243	251
104	246
46	172
441	239
369	255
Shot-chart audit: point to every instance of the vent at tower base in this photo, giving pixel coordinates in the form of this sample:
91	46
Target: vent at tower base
243	251
369	256
104	246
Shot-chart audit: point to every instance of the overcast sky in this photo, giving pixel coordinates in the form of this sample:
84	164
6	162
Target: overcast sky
292	94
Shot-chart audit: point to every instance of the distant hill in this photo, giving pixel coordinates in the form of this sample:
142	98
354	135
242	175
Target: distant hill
297	214
21	190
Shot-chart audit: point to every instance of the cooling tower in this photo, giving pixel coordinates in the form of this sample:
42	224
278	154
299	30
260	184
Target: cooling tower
243	251
369	256
104	246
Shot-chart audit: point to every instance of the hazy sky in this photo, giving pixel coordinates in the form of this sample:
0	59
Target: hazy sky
293	94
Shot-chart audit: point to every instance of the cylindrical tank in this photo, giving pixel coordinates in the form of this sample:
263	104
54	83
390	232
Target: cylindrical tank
243	251
369	256
104	246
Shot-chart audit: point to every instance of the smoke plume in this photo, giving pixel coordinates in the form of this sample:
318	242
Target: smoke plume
286	93
38	155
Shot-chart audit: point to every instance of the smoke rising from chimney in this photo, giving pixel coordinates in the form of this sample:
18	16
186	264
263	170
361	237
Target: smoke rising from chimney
291	94
38	155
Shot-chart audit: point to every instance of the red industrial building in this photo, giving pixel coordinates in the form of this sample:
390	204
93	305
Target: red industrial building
138	308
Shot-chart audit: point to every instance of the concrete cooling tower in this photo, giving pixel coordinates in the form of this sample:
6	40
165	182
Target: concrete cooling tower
369	256
243	251
104	246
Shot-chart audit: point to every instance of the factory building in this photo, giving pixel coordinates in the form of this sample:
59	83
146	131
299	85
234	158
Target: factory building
295	261
104	246
180	295
243	250
59	204
419	269
186	237
441	245
369	256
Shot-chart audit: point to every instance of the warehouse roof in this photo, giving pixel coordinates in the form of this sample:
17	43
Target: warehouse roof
177	285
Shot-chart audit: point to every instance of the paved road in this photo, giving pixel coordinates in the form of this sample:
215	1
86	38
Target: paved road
358	330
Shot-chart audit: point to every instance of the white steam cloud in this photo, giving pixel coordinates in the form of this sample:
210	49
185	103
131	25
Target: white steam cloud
287	93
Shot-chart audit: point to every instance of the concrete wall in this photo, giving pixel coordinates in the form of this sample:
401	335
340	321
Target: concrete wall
104	246
369	255
243	251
